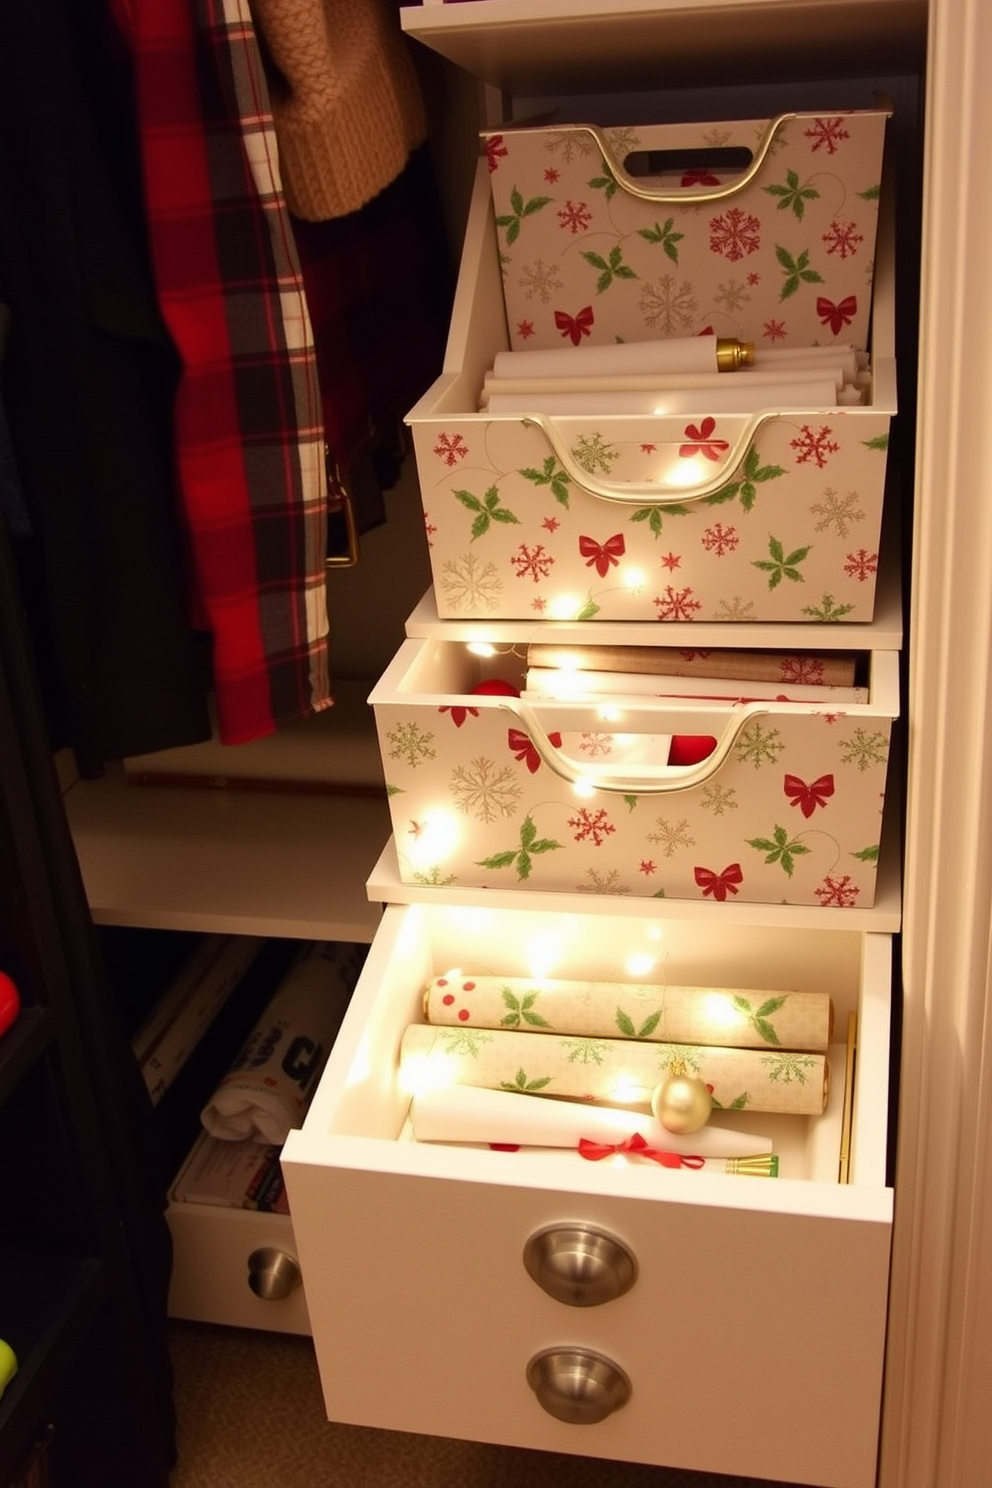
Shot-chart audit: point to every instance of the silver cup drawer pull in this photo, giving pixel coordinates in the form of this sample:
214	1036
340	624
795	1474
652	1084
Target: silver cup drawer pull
273	1273
577	1385
579	1264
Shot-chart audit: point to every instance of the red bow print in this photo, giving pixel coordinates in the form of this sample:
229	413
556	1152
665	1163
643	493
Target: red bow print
636	1144
700	178
575	327
722	885
522	748
702	443
459	713
602	557
808	797
836	316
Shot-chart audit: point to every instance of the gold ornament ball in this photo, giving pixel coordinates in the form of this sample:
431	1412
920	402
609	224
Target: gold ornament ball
682	1104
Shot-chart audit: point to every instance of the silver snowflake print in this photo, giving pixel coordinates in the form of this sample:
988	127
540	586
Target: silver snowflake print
593	453
596	746
716	138
622	141
671	836
837	513
668	305
571	144
719	799
540	281
679	1059
411	743
471	584
485	789
735	609
732	295
434	877
863	749
596	882
758	745
789	1069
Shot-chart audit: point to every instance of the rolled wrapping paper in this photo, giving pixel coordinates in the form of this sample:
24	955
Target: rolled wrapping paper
733	1017
547	682
776	359
614	1071
803	394
835	669
265	1093
465	1113
679	354
632	382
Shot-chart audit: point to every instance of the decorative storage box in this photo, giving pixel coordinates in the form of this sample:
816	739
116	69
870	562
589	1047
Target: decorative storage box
758	1303
777	248
764	516
577	796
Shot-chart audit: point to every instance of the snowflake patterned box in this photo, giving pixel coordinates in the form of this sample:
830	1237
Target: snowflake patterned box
490	790
767	515
604	236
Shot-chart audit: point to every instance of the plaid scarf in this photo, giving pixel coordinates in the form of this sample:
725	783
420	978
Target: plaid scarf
249	432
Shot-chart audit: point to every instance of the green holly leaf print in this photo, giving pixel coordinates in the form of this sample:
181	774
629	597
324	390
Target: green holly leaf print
521	1010
521	1082
655	516
553	476
629	801
606	182
781	565
827	609
867	854
666	236
629	1029
521	209
880	442
739	1103
792	195
759	1018
872	193
779	849
797	271
609	268
487	511
753	475
530	846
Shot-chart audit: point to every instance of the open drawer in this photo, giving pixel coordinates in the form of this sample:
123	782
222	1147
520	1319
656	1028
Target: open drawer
752	1336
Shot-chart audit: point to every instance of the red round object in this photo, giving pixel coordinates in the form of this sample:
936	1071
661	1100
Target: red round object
496	687
10	1002
689	749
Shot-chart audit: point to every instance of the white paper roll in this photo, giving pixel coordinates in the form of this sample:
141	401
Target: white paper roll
703	382
466	1113
680	354
265	1093
736	397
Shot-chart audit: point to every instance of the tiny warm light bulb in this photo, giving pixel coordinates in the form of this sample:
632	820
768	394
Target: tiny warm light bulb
639	964
433	838
627	1092
422	1071
564	607
687	473
633	578
610	714
721	1014
481	648
583	788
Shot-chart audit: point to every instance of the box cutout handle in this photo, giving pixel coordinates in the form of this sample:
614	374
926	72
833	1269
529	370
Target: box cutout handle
636	181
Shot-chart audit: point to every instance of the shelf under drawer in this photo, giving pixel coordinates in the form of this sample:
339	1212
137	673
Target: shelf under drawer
759	1303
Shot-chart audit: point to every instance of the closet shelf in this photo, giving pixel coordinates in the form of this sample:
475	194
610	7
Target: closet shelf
268	862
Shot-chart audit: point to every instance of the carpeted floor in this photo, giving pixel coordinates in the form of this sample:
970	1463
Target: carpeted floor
251	1416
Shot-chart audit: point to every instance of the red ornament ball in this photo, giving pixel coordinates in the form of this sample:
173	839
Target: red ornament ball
495	687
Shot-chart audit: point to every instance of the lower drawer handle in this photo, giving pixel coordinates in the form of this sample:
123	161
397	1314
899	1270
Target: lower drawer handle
272	1273
578	1385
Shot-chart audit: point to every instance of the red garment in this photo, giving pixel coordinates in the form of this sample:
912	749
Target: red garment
249	432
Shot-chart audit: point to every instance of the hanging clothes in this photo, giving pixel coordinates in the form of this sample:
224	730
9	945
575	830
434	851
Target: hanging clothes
248	427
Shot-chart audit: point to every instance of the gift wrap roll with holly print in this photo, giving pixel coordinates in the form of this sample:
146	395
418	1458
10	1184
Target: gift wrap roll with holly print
733	1017
616	1071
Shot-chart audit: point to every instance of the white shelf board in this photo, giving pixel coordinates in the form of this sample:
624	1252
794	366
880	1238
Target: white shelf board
273	863
883	633
385	887
523	46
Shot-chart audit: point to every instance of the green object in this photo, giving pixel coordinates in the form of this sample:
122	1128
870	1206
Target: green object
8	1365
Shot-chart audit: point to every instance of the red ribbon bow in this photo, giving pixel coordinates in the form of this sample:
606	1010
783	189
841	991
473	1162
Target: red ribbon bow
836	316
719	885
523	749
459	713
636	1145
602	555
702	444
575	327
808	797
